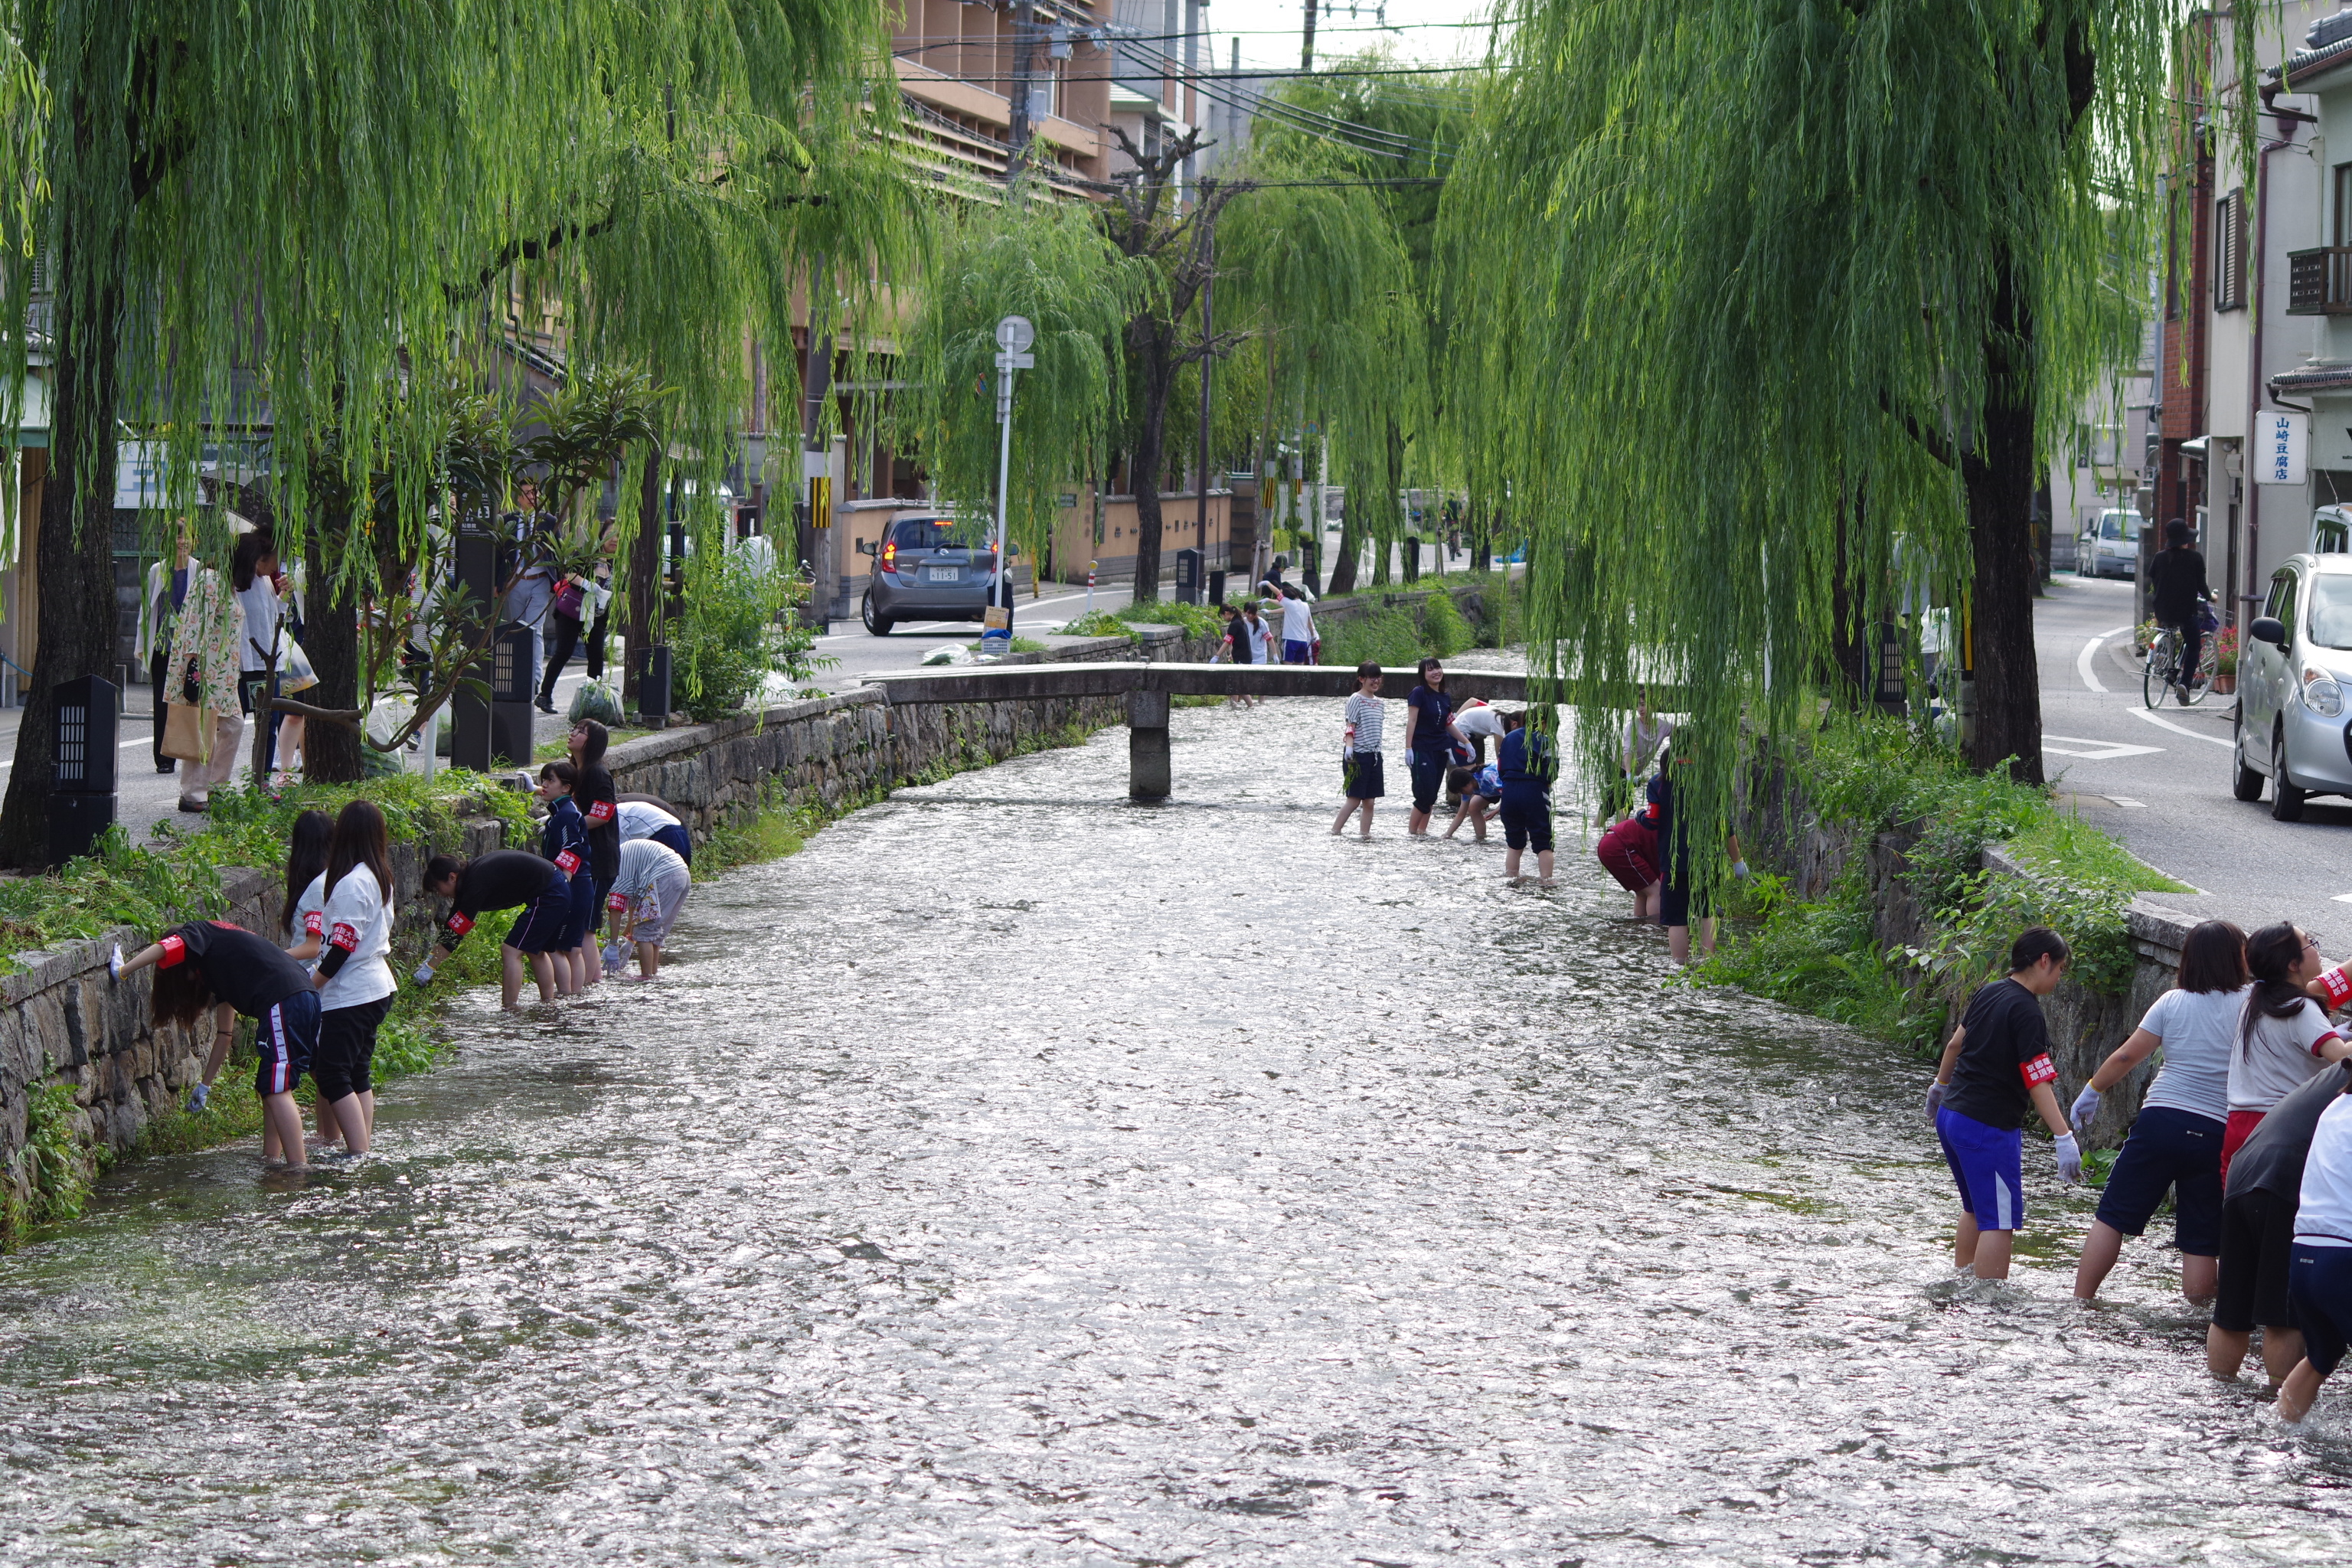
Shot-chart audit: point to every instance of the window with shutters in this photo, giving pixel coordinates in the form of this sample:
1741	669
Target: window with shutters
2230	252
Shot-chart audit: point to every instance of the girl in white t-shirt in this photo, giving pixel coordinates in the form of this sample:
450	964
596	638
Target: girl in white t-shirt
2284	1036
302	916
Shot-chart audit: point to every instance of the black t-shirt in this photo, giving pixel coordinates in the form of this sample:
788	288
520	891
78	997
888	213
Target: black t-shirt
502	880
2005	1055
2175	581
599	809
2271	1159
251	973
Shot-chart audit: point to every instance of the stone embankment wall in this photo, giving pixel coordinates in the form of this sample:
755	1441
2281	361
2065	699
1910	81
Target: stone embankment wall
1779	831
62	1022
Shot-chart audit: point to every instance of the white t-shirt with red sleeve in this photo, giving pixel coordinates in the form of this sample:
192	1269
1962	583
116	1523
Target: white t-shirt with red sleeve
2278	1056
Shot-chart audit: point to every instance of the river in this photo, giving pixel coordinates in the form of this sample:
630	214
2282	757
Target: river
1020	1176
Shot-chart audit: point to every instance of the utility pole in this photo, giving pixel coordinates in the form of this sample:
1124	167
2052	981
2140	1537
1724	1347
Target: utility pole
1306	54
1024	63
1208	363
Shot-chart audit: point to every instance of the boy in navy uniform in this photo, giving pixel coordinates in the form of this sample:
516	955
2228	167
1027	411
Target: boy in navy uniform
1995	1066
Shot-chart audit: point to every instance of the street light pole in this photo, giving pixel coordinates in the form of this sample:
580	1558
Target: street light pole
1013	336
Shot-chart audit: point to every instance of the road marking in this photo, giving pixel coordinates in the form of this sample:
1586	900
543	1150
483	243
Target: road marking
2126	800
2083	659
2100	752
2178	730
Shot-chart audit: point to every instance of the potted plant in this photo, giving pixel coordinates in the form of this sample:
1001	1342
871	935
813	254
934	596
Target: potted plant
2225	661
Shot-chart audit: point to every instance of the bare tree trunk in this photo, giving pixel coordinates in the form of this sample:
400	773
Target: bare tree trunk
74	573
1150	452
645	576
330	754
1999	478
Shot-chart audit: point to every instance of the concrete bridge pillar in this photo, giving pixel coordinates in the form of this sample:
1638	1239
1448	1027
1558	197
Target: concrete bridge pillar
1149	776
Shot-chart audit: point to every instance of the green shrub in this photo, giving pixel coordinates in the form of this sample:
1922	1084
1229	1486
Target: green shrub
1386	637
1098	624
1443	629
734	634
1198	620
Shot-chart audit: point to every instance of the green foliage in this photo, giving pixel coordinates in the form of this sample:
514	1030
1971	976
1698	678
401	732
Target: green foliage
1443	627
1387	637
1199	621
54	1159
1815	248
776	827
1050	262
1098	624
734	634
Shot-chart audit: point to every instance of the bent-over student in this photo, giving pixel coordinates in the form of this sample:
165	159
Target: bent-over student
502	880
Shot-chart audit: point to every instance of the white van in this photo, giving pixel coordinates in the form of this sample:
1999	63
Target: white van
2109	547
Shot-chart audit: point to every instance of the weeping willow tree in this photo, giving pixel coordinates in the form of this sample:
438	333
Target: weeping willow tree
283	213
1764	305
1049	262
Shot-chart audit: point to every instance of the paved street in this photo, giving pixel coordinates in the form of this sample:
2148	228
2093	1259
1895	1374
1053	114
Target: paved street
861	653
2161	780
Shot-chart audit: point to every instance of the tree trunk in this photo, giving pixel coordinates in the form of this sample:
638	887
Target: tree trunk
1351	545
330	754
645	576
1150	452
1849	614
75	572
1999	478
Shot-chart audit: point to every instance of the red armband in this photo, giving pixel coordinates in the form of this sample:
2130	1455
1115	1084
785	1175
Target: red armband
346	937
2037	1071
601	812
568	862
459	924
174	950
2339	986
616	901
312	922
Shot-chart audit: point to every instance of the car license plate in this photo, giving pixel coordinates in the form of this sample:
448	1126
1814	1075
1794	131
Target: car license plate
940	575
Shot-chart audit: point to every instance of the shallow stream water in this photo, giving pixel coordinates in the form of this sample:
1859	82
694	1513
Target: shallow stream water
1017	1176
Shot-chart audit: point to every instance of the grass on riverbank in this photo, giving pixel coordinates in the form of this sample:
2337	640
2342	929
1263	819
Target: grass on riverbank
1822	955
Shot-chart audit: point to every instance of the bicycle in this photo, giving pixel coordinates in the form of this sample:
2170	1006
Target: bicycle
2161	671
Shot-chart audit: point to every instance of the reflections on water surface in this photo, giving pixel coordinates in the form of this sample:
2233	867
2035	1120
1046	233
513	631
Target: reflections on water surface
1017	1176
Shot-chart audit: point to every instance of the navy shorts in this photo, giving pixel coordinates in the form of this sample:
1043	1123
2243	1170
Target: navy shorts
1428	779
1526	820
286	1037
1988	1165
1364	775
583	909
677	839
539	927
2319	1297
347	1048
1674	906
2174	1151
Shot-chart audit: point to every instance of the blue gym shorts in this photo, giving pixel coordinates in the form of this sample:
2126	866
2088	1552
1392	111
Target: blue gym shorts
1988	1165
583	909
2319	1298
2169	1150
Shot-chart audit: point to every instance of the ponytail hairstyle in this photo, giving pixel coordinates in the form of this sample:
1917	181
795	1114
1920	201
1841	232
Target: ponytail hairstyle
306	857
2269	954
182	993
361	839
2212	958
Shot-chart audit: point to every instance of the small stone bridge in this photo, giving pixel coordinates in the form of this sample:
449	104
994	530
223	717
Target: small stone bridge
1148	687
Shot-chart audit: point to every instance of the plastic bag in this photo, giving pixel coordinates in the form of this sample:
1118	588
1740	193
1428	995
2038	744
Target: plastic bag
596	699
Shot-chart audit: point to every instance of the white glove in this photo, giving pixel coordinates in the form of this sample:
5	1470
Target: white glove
199	1095
1739	869
115	963
424	975
1934	1099
2070	1158
617	954
2087	1106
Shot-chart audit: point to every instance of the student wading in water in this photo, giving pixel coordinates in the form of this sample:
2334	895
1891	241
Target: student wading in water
1996	1066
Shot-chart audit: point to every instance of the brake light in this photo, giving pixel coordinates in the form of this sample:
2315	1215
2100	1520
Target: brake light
890	555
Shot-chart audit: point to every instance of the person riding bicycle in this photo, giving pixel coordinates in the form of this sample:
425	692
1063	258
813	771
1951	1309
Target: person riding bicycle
2178	594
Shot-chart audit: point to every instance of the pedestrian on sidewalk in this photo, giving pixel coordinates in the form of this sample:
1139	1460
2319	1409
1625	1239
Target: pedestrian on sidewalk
2258	1222
1526	764
211	966
2284	1036
159	614
1430	735
1361	771
526	580
1995	1067
2176	596
203	685
1297	628
2175	1143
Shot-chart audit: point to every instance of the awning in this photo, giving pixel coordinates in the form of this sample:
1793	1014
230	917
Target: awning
2312	377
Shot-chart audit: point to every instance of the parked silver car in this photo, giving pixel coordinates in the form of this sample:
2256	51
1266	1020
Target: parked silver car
929	569
2109	547
2294	720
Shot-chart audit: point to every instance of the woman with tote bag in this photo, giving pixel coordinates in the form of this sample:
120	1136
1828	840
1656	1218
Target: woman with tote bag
203	724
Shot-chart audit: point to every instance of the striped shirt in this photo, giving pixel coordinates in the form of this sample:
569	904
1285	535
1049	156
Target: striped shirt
1366	714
